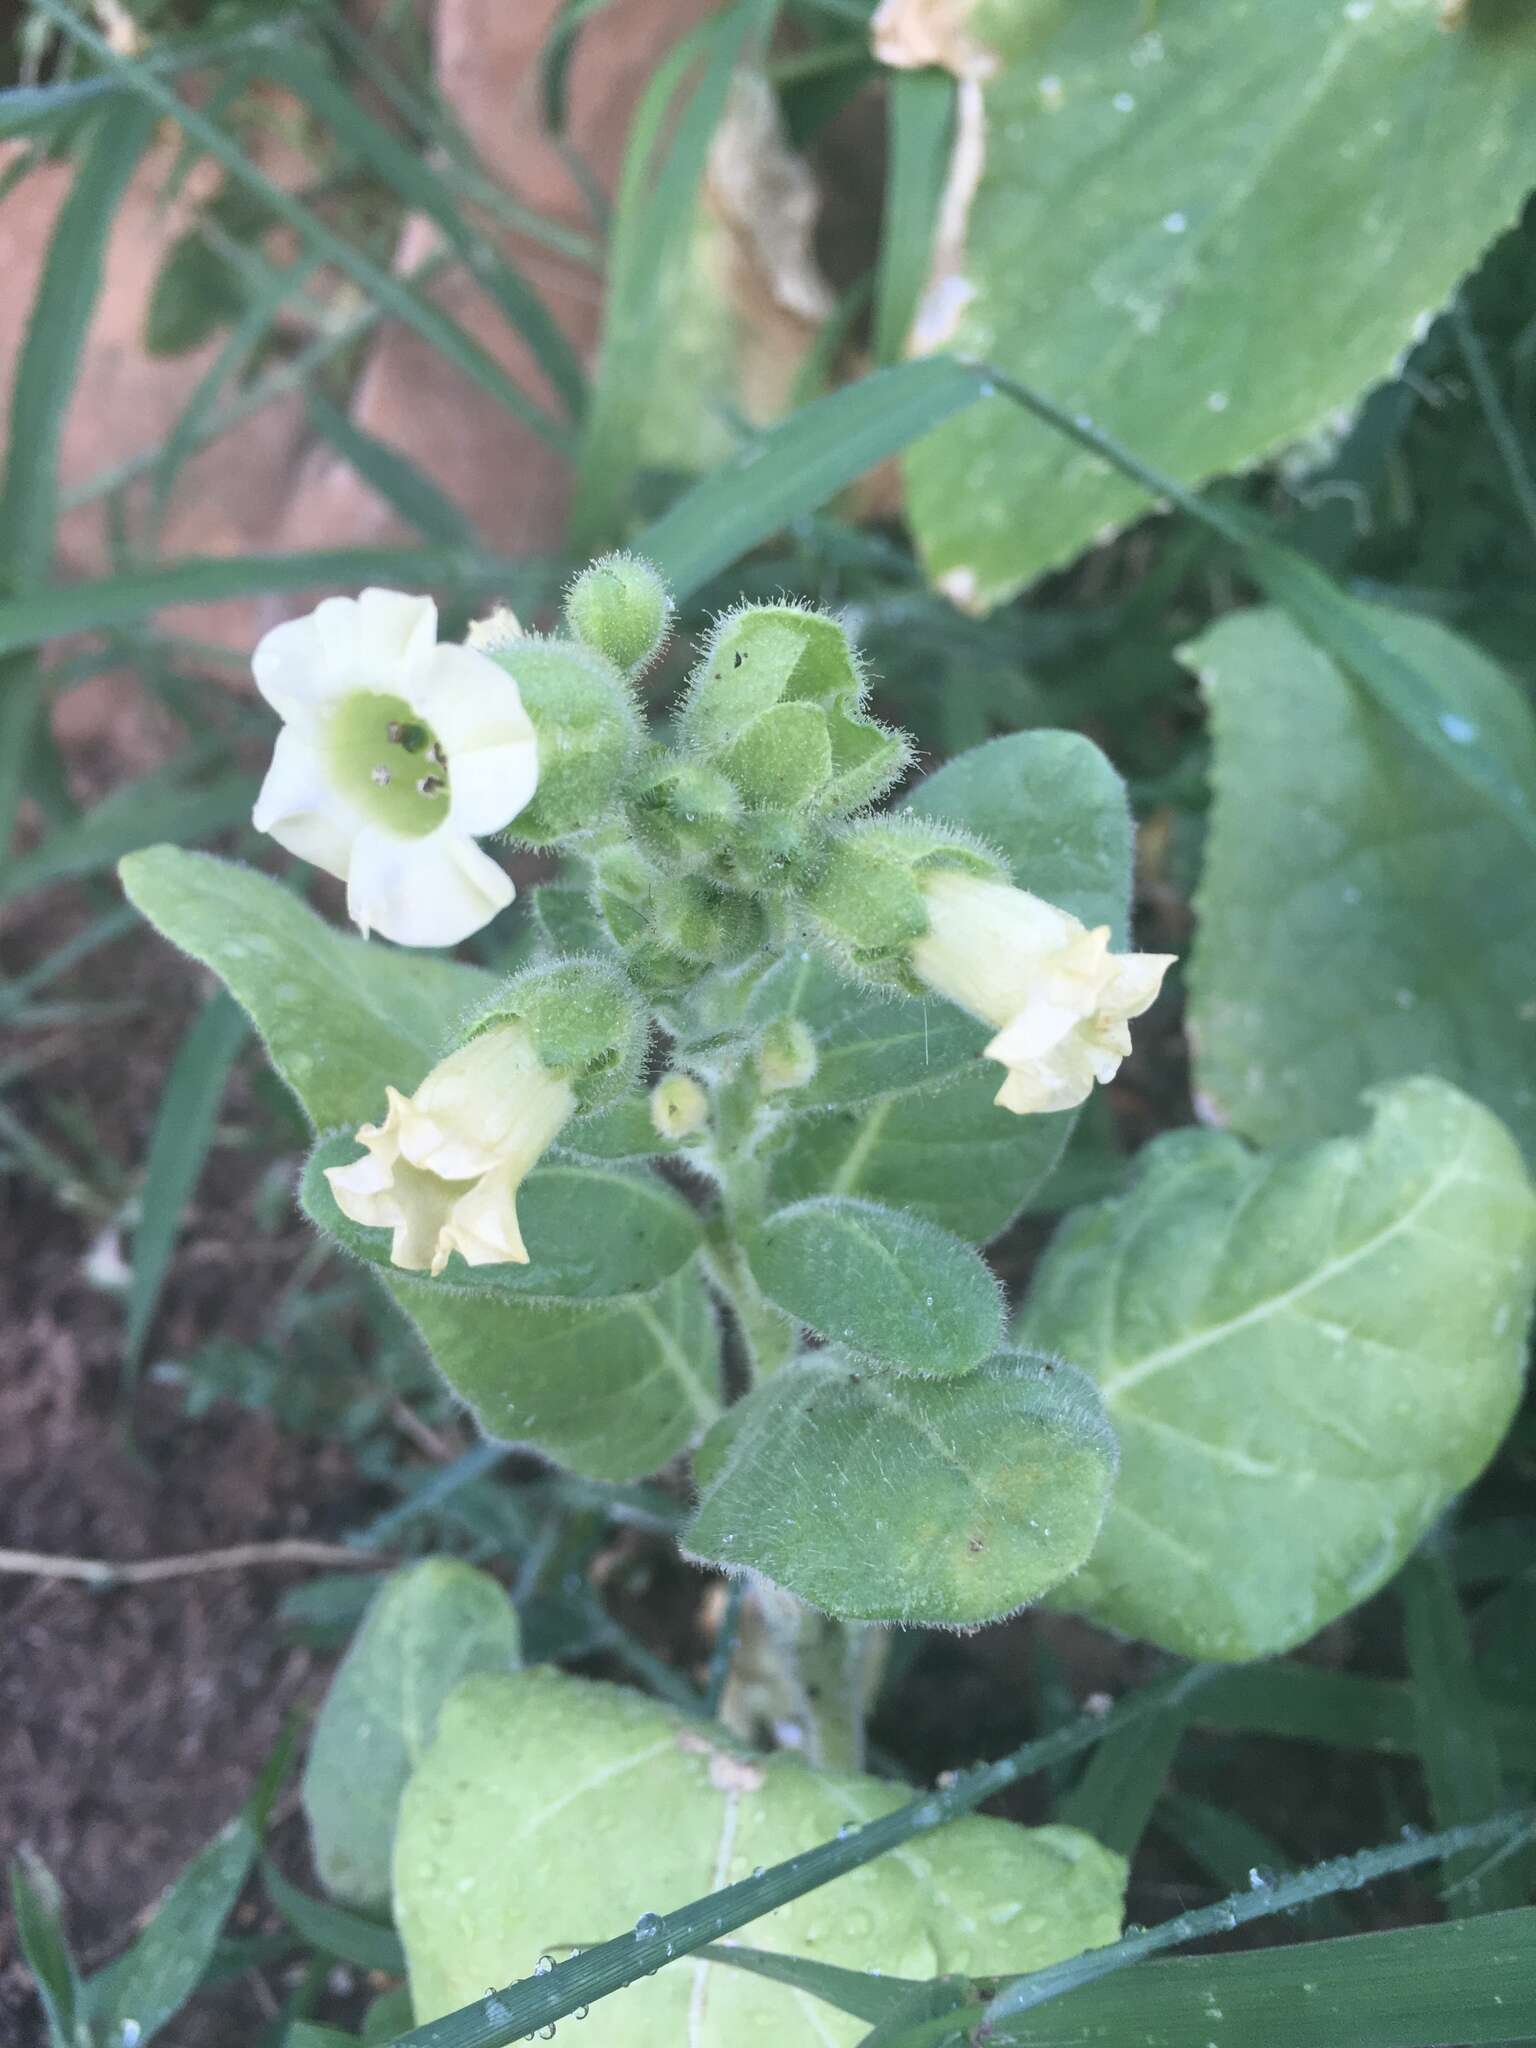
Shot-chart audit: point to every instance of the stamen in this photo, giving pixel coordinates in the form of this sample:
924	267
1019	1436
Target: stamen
430	785
401	733
381	776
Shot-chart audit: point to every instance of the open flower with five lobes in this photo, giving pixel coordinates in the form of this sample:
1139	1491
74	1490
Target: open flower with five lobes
443	1169
395	755
1058	999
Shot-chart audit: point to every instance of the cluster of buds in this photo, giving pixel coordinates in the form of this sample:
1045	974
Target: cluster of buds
398	754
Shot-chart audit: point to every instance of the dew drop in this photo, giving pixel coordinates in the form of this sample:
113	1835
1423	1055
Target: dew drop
1175	223
1461	730
543	1966
647	1927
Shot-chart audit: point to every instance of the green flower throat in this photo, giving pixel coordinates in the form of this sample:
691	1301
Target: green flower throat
389	763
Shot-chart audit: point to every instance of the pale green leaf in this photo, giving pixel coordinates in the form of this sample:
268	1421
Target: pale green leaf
867	1045
612	1391
593	1231
623	1809
1128	273
886	1286
1304	1354
1362	914
948	1502
340	1016
427	1628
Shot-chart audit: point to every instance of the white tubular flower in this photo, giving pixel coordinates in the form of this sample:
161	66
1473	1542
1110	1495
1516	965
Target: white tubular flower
1059	1000
443	1169
395	755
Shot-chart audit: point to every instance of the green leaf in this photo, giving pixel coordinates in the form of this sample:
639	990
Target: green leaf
567	919
39	1913
611	1392
593	1232
427	1628
135	1996
536	1772
332	1930
339	1016
1305	1356
1471	1981
947	1154
867	1045
50	356
1332	144
195	293
398	481
796	467
622	1131
886	1286
1362	914
947	1502
183	1133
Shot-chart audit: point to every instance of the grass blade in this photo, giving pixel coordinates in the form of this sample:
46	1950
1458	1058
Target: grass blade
536	2002
1472	1982
45	1947
127	599
1121	1782
178	1148
922	117
50	356
1230	1850
1455	1733
797	466
395	294
1303	1703
396	479
332	1929
140	814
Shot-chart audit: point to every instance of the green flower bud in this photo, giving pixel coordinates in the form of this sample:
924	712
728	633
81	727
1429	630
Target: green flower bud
787	1057
621	607
775	663
695	918
679	1107
585	1022
867	903
683	811
589	730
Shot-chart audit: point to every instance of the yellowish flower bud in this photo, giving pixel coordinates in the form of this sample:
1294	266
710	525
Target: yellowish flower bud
787	1057
679	1106
495	630
1058	999
443	1169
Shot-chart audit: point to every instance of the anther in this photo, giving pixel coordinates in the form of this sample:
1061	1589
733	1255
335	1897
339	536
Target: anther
430	785
381	776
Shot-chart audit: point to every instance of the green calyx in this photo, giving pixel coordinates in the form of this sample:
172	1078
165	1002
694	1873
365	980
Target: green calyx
585	1020
867	904
589	729
621	607
388	762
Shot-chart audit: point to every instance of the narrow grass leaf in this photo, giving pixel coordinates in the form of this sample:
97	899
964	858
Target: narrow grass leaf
1231	1849
403	486
1342	1710
178	1149
921	115
861	1992
797	466
333	1930
1457	1744
1122	1781
40	1935
23	693
50	355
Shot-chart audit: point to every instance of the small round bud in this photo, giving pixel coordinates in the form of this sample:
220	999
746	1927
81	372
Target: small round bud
679	1107
786	1057
621	607
588	727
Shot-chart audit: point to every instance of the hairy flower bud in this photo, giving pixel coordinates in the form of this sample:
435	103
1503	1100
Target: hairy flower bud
621	607
589	730
583	1020
679	1107
867	903
786	1057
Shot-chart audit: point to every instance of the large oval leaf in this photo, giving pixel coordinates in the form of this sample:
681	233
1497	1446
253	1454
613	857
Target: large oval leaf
553	1810
612	1391
882	1284
1304	1355
425	1630
1362	913
339	1017
1154	285
592	1231
941	1502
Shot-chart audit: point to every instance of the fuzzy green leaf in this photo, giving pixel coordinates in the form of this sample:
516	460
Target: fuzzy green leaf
593	1231
340	1017
1362	914
1333	145
611	1391
1304	1354
623	1809
946	1503
884	1285
427	1628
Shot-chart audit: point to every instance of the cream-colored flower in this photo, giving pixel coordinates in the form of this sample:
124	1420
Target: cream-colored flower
395	755
1059	1000
443	1169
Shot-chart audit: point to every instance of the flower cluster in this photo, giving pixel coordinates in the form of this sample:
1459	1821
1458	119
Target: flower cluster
398	754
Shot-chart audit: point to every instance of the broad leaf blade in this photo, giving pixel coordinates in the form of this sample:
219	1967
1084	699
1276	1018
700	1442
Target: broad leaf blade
1319	1348
948	1502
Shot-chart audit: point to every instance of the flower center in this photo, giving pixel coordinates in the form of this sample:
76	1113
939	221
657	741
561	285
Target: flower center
389	762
